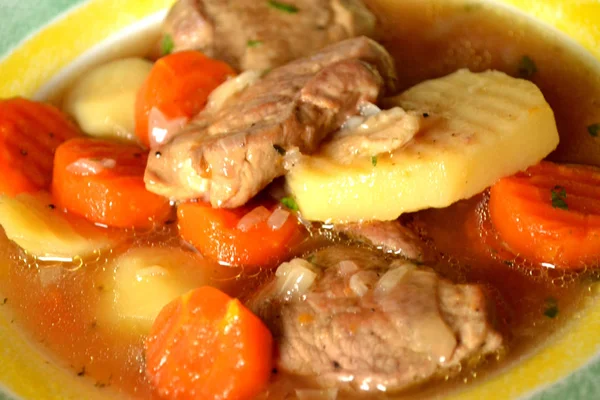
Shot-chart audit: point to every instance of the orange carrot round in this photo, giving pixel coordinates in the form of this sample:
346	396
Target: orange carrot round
550	213
178	85
30	132
206	345
104	182
216	234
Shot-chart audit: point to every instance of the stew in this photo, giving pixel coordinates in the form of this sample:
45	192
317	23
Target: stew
306	200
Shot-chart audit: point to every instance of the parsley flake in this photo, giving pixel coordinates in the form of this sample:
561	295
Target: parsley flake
167	45
374	161
285	7
551	310
527	67
254	43
559	197
279	149
290	203
594	130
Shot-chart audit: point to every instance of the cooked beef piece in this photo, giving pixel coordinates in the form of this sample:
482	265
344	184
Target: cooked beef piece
382	132
227	155
251	34
368	323
389	236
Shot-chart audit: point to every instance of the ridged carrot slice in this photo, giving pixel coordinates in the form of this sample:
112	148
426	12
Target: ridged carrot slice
206	345
30	132
178	86
550	213
103	181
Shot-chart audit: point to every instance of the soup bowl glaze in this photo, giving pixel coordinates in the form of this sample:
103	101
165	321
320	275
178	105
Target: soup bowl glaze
41	44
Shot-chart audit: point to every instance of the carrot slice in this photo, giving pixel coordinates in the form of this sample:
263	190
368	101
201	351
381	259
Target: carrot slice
550	213
178	85
104	182
215	233
30	132
206	345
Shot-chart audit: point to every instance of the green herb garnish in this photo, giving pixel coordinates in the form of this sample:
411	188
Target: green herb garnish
559	197
594	130
279	149
374	161
254	43
551	310
167	45
285	7
290	203
527	67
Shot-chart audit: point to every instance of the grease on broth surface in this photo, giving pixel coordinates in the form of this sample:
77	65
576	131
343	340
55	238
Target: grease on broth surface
56	304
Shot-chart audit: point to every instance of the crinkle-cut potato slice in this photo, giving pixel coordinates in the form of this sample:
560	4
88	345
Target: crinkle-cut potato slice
146	279
102	101
43	231
479	128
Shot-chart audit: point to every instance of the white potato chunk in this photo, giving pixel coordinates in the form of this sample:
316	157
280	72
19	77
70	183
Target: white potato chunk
42	231
102	101
145	280
477	128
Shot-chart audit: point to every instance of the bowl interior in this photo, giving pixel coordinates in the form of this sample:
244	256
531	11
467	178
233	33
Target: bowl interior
31	373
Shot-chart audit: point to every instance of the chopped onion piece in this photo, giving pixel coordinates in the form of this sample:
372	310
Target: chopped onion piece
316	394
161	128
358	285
230	88
352	123
90	166
368	109
278	218
291	158
294	278
393	277
347	267
253	218
150	272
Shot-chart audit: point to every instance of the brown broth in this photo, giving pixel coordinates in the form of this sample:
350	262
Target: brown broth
428	39
432	38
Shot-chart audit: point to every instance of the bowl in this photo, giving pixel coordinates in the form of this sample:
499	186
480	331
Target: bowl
44	45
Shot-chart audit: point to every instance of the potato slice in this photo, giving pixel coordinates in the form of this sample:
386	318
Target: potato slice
102	101
145	280
32	222
478	128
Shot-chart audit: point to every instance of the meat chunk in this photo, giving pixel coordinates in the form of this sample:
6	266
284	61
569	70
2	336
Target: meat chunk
371	324
227	155
250	34
389	236
383	132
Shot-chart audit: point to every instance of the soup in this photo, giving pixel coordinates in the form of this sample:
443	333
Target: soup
89	313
